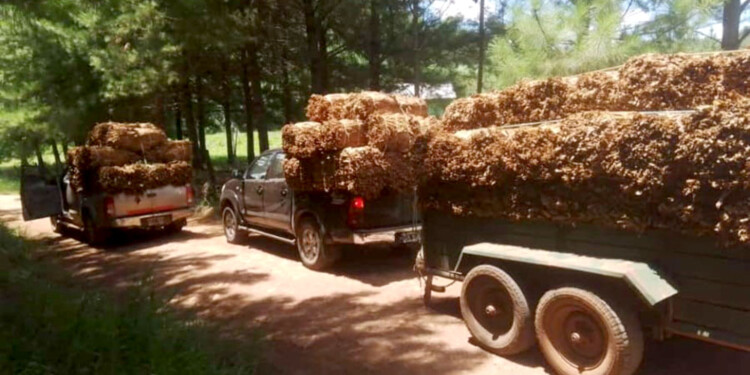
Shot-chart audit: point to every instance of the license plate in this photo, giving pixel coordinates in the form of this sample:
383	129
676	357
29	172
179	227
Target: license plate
156	221
407	237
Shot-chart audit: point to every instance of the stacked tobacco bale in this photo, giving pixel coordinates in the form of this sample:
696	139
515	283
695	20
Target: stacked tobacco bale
361	143
687	173
645	83
129	158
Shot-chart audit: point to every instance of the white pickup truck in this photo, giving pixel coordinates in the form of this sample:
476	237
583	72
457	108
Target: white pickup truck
97	214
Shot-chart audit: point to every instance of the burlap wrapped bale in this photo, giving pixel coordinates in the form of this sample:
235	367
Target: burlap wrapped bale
398	132
644	83
136	178
170	151
321	108
307	139
137	137
361	106
684	173
364	171
87	158
411	105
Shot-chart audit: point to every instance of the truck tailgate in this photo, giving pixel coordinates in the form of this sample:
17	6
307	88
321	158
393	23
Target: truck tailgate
166	198
389	210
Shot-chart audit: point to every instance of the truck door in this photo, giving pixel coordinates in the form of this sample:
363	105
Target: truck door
277	199
40	194
253	189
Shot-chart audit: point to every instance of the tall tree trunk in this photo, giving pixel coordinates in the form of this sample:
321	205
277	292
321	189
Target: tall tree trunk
257	104
56	154
64	144
201	104
247	102
313	52
41	168
480	69
286	90
374	50
416	67
226	105
731	39
187	110
159	110
178	123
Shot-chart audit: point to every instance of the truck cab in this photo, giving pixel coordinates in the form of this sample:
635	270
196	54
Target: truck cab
259	201
97	213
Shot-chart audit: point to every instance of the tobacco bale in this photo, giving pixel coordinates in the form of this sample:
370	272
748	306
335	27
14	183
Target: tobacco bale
736	74
666	82
170	151
362	171
368	103
321	108
411	105
136	178
138	137
391	132
595	91
682	173
91	157
307	139
477	111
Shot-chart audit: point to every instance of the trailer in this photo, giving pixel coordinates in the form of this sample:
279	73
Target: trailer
588	295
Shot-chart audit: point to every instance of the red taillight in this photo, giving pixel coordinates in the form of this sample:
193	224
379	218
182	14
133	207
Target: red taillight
356	209
189	194
358	204
109	204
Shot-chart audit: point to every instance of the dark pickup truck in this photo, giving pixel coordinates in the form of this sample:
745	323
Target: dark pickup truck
260	202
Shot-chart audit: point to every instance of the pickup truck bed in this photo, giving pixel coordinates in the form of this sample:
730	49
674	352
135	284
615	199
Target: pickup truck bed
260	201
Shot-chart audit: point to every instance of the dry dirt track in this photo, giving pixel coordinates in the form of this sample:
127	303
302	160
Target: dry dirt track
365	316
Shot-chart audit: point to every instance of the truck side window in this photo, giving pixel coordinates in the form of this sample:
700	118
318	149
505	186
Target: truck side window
257	171
276	170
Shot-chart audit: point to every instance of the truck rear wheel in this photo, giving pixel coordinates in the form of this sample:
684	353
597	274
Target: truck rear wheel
95	236
496	312
313	250
231	224
580	333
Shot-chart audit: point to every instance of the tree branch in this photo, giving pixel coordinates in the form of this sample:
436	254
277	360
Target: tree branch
745	34
744	5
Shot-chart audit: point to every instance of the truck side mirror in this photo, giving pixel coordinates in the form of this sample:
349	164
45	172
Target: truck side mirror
236	173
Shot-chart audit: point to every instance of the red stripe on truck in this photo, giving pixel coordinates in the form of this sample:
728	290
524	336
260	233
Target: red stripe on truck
151	210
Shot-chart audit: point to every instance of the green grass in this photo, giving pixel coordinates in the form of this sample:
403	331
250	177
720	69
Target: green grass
9	181
217	147
47	326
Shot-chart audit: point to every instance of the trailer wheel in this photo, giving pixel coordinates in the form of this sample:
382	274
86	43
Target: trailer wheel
496	311
311	245
580	333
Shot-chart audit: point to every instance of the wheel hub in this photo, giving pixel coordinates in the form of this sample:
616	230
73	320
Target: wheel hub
585	338
490	310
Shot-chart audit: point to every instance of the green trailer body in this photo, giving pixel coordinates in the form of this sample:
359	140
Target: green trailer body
699	289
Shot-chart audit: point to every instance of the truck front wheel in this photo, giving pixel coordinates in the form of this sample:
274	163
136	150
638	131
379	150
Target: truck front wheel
580	333
496	312
313	250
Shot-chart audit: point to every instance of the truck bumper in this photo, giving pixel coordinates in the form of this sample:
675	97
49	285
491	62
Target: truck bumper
141	221
401	234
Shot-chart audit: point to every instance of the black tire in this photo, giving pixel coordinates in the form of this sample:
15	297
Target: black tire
580	333
312	248
95	236
176	227
57	226
496	311
231	224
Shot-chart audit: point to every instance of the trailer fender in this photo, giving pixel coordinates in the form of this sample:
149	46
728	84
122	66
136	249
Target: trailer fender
641	277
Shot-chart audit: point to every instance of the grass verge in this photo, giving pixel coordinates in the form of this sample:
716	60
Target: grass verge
48	326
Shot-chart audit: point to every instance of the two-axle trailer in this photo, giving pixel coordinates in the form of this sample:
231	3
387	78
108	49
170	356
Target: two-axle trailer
587	295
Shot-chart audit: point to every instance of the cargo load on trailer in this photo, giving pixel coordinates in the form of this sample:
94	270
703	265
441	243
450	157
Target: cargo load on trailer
360	143
129	158
650	82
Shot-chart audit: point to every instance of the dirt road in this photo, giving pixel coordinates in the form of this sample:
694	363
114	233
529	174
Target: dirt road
365	316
